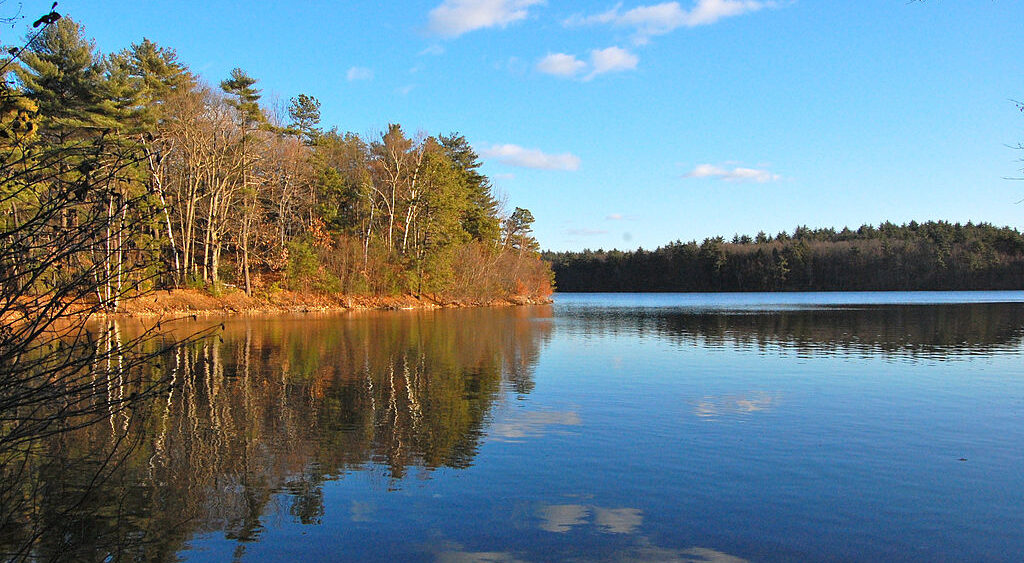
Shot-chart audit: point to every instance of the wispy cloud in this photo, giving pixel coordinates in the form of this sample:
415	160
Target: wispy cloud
619	217
736	174
433	50
659	19
612	59
359	73
452	18
586	232
514	155
405	90
561	64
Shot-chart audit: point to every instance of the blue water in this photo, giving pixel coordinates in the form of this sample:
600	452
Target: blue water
777	300
618	427
649	436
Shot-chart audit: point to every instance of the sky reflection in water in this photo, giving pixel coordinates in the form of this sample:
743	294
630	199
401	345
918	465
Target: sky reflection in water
602	428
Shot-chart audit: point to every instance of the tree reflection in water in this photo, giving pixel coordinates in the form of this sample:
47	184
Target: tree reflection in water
268	407
269	410
936	332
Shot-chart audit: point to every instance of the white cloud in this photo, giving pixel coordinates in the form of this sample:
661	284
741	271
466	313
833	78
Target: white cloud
359	73
612	59
710	11
561	64
405	90
659	19
579	19
514	155
615	217
737	174
454	17
434	50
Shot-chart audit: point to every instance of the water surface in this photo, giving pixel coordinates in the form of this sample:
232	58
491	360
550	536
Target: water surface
712	427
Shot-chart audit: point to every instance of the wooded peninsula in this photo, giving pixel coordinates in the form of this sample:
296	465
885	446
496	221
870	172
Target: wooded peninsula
123	173
935	255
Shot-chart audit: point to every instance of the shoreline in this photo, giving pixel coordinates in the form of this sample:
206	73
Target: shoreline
192	302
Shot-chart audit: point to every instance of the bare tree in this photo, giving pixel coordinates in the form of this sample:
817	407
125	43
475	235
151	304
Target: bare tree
76	239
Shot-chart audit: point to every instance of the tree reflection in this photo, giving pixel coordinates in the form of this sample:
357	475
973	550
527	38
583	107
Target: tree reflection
934	331
273	407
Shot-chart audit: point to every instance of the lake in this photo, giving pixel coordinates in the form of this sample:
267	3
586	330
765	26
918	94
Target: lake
617	427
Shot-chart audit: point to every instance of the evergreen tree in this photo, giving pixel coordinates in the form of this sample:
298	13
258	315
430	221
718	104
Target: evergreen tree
519	230
480	219
246	101
64	75
443	204
153	74
304	112
244	98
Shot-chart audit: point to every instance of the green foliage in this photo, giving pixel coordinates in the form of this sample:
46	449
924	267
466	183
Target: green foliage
304	112
305	271
519	230
229	197
302	263
935	255
244	98
341	164
64	76
480	217
151	74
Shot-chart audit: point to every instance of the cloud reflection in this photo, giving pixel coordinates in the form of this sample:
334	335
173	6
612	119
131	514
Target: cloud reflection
711	407
362	511
532	424
618	520
560	518
652	553
477	557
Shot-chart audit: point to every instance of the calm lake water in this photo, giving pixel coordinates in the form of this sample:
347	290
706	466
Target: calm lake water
619	427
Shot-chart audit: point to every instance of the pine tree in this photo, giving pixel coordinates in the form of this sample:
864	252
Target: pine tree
152	74
64	75
305	114
244	98
480	219
246	101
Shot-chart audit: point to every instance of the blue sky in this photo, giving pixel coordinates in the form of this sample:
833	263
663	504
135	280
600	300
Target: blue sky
638	123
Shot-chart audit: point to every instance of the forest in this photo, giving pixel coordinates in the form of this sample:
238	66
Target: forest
124	172
934	255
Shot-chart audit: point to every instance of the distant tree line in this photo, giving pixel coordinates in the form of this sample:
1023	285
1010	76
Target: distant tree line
227	191
935	255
